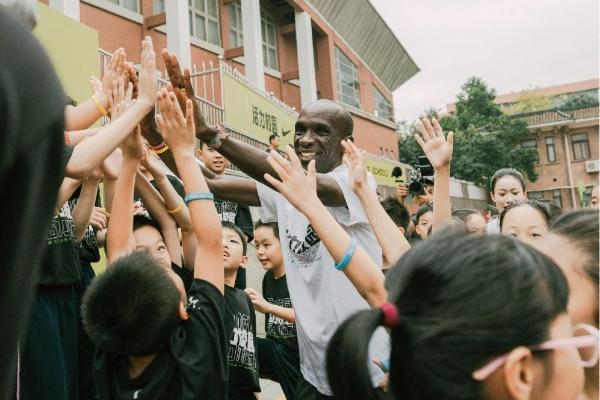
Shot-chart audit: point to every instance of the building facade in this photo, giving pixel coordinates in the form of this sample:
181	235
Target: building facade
292	51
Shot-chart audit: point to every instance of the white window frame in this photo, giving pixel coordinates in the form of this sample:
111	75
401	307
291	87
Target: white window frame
341	58
378	99
580	148
236	30
156	8
193	12
550	143
121	3
266	21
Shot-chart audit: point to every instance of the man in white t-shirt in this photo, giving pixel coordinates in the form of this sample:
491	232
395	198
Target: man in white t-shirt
322	297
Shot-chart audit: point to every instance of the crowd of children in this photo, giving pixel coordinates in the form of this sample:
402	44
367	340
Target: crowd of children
466	309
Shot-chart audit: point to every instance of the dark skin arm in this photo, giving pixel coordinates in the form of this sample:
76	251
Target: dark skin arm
247	158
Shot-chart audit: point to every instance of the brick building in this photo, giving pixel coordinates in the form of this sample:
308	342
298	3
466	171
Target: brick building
289	51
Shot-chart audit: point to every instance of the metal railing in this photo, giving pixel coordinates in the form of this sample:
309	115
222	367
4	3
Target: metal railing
556	115
212	112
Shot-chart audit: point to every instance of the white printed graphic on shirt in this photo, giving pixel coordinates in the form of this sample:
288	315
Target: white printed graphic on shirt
241	346
278	327
62	228
306	250
227	211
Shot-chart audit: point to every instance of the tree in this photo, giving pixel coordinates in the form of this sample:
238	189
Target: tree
485	139
529	101
579	101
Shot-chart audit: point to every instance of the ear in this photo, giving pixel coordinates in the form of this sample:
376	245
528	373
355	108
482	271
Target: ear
519	373
244	262
182	312
492	197
402	230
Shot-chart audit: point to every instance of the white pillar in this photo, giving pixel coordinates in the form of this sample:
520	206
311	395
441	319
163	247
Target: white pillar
70	8
253	54
178	31
306	58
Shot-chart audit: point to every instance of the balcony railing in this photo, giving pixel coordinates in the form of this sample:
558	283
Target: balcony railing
548	117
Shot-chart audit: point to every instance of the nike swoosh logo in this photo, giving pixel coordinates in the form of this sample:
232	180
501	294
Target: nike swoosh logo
284	133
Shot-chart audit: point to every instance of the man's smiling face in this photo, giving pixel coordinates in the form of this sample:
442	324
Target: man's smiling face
320	128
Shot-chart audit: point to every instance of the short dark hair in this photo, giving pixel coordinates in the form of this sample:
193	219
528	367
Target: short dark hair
272	225
131	308
233	227
462	300
501	173
397	212
273	136
424	209
553	208
140	220
581	227
537	205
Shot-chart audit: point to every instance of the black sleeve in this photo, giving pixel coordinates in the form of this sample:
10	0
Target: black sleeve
200	344
243	220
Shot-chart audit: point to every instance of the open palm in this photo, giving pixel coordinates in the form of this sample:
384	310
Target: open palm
436	147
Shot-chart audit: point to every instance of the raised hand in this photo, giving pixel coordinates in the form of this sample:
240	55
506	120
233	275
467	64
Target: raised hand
181	85
355	162
153	165
133	147
113	69
436	147
260	304
147	85
177	130
98	219
299	187
95	85
120	98
133	78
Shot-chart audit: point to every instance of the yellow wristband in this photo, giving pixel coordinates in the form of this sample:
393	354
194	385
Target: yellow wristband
162	149
99	106
176	209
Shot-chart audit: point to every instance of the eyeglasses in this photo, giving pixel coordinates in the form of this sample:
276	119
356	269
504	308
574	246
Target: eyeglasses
586	344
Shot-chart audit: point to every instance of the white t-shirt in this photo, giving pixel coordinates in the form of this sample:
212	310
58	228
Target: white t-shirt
493	227
321	295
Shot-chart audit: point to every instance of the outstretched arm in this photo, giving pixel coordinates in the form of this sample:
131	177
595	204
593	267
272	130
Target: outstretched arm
299	188
263	306
438	150
178	132
390	238
247	158
82	211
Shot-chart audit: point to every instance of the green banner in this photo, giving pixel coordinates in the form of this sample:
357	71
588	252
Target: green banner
253	114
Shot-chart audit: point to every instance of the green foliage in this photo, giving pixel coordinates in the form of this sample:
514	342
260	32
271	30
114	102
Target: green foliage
485	140
579	101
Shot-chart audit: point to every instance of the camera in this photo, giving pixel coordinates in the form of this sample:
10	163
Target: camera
421	174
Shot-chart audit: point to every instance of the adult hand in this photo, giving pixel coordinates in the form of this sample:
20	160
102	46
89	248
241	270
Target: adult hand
355	162
299	187
133	78
259	302
181	85
436	147
401	192
177	129
154	166
99	218
95	85
147	84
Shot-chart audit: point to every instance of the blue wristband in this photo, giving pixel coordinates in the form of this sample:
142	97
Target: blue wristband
385	365
198	196
348	256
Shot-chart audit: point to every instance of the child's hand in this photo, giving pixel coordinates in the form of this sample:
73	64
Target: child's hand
96	85
154	166
112	164
120	99
259	302
435	146
113	70
299	187
147	85
133	147
177	130
99	219
355	162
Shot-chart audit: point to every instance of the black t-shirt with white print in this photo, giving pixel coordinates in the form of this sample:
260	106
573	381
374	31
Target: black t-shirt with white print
241	354
192	366
275	291
238	214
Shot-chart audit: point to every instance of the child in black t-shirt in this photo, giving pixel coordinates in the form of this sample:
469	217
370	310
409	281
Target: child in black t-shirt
278	356
241	355
151	345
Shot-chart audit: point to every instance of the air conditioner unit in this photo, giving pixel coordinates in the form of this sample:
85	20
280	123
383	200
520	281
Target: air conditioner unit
592	166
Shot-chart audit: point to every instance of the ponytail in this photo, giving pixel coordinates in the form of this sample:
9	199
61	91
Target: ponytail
348	357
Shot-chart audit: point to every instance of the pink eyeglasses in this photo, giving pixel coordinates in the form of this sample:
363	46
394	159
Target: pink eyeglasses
588	343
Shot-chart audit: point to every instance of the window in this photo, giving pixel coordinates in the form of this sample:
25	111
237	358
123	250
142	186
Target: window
269	42
531	144
535	195
158	6
550	150
347	79
128	4
383	107
581	146
204	20
587	196
556	196
236	31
